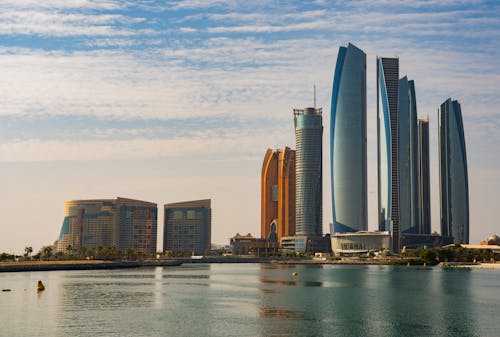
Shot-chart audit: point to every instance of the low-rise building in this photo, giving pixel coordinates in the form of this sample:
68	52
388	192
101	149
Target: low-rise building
360	242
249	245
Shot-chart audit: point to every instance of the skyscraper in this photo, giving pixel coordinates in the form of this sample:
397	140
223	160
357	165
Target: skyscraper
278	193
454	184
388	152
188	227
424	184
122	223
348	142
408	158
308	181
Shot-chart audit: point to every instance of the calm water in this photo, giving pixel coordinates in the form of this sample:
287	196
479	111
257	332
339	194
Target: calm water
253	300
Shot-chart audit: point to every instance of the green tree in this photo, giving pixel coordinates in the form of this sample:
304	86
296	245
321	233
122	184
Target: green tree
69	249
28	250
46	252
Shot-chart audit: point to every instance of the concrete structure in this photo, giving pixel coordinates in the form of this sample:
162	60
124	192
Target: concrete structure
122	223
249	245
388	151
360	242
421	240
491	240
348	141
308	180
454	184
188	227
424	182
306	244
278	193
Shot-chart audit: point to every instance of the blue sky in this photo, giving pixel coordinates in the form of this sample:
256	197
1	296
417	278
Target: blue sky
175	100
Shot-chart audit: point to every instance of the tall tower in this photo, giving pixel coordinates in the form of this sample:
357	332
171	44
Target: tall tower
278	193
309	201
424	184
388	152
348	142
454	184
408	158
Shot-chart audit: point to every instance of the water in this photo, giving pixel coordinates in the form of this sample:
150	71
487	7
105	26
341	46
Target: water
253	300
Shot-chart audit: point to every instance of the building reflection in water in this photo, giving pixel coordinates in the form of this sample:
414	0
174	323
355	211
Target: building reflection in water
285	308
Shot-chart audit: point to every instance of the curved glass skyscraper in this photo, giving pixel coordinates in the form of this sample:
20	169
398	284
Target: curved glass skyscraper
408	157
308	180
348	142
454	183
388	153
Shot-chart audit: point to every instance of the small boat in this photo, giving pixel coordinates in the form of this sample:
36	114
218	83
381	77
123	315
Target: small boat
5	289
40	286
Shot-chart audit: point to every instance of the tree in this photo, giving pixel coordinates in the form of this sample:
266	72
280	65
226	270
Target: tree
70	250
46	252
28	250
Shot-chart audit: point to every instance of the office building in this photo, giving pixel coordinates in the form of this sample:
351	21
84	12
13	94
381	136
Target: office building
454	184
388	152
187	227
122	223
424	183
278	193
348	142
308	179
408	158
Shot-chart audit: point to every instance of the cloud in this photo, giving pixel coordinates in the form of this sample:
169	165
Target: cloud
62	4
29	22
207	143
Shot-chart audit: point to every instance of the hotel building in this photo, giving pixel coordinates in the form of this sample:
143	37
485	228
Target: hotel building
188	227
122	223
308	179
278	193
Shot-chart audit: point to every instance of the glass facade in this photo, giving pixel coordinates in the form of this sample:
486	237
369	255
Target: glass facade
454	185
388	153
308	182
424	192
408	158
122	223
348	142
187	227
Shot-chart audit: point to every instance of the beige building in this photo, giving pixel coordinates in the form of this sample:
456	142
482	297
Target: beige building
122	223
360	242
188	227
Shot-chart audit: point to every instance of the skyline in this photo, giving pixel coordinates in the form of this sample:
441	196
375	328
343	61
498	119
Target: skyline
109	98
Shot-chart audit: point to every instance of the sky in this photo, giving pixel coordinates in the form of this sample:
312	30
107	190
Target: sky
169	101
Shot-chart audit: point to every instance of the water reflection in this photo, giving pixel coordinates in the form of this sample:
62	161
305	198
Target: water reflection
253	300
289	310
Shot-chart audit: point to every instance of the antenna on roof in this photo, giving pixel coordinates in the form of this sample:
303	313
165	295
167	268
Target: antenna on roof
315	97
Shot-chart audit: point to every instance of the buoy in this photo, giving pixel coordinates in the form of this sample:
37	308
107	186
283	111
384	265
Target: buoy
425	264
295	273
40	286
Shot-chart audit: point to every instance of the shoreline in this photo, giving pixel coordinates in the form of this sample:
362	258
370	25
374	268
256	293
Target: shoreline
27	266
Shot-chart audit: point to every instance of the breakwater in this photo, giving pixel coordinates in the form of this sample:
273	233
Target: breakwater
81	265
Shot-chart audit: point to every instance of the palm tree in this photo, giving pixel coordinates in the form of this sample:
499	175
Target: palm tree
28	250
47	252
